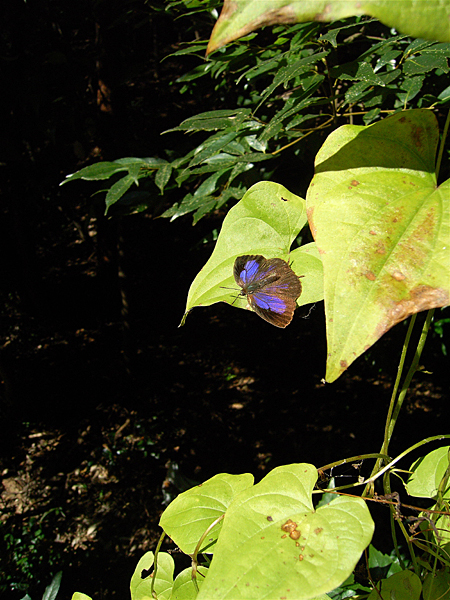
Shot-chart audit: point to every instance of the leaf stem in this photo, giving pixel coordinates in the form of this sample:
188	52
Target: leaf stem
155	569
442	144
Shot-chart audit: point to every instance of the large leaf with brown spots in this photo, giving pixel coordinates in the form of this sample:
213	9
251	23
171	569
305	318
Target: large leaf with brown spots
425	19
382	226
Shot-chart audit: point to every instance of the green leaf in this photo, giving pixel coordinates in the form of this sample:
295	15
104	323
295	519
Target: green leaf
437	586
382	227
187	518
118	189
51	591
357	71
424	63
401	586
163	175
214	119
140	587
312	286
211	147
80	596
101	170
183	587
427	473
266	221
422	19
274	544
412	87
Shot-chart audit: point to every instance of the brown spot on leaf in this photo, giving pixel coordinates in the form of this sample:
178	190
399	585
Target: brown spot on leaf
354	183
270	518
372	232
422	297
318	530
295	534
289	526
398	276
300	557
371	276
417	136
344	364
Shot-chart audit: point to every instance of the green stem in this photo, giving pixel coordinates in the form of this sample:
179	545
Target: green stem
153	593
442	144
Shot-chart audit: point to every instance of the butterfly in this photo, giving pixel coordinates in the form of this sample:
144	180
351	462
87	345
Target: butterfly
271	287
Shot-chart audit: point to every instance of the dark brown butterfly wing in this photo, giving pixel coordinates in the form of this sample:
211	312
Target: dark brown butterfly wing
271	286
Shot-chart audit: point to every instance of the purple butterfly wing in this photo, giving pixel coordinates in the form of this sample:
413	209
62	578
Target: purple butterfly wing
271	286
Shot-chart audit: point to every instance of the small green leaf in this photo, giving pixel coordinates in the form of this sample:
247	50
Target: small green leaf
424	63
187	518
213	120
163	175
80	596
118	189
99	171
51	591
141	582
401	586
437	586
427	473
183	586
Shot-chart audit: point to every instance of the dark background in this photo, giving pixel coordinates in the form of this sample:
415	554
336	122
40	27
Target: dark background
107	414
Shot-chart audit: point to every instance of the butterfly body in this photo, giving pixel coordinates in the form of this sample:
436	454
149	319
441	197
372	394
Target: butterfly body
271	287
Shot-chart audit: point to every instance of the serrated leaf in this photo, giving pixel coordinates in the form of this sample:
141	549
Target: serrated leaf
382	227
421	19
401	586
427	473
274	544
187	518
266	221
141	582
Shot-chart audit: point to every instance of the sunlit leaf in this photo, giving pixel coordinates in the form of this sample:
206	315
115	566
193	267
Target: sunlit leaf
382	227
429	19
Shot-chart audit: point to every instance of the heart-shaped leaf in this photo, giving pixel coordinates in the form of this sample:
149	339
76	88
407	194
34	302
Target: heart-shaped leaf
266	221
428	19
382	227
187	518
273	544
141	581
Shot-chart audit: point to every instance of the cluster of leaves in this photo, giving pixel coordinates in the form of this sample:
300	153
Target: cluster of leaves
304	80
269	539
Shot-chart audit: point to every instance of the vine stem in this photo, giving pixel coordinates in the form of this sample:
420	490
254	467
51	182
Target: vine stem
442	144
155	569
194	562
